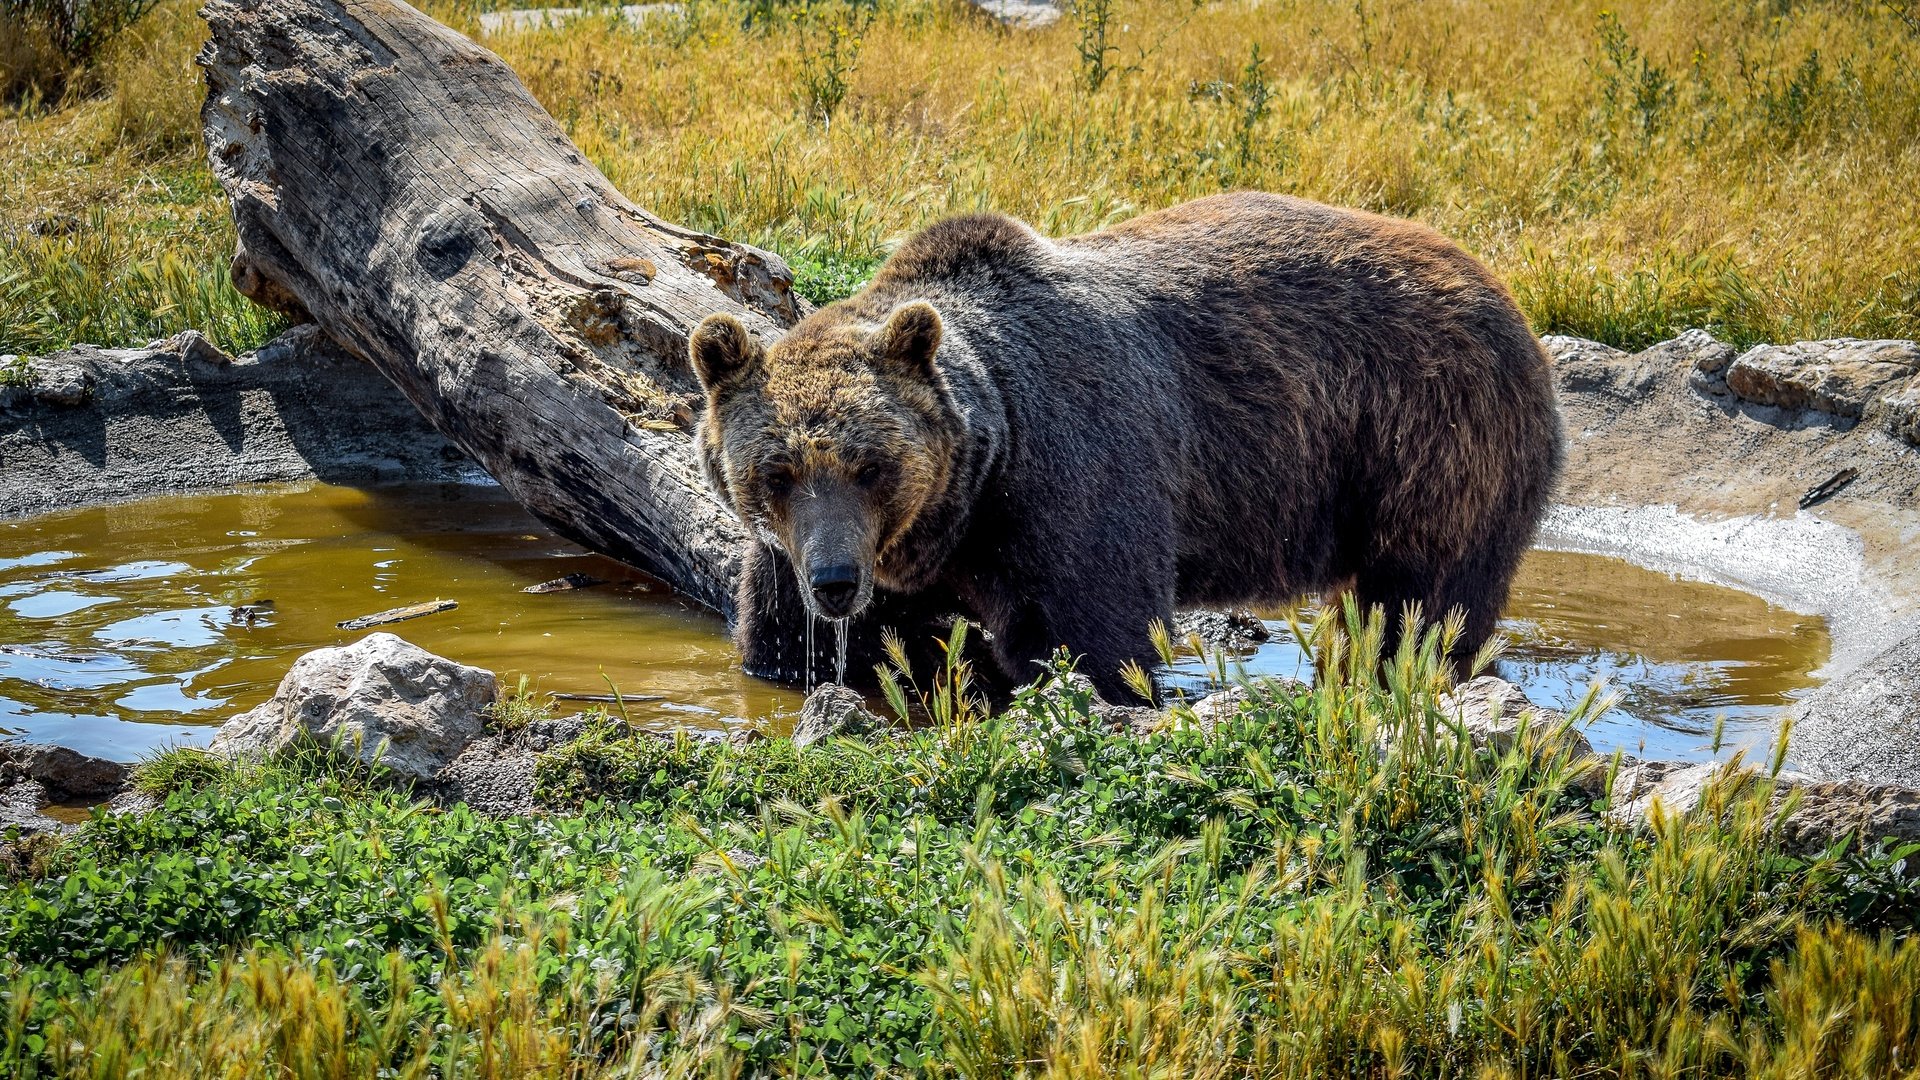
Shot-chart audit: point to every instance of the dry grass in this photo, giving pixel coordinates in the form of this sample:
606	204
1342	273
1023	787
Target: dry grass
1634	172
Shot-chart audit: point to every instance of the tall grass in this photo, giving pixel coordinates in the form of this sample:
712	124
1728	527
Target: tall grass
1632	171
1336	882
112	230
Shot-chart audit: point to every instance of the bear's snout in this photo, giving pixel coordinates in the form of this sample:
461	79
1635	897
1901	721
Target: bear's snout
830	536
835	589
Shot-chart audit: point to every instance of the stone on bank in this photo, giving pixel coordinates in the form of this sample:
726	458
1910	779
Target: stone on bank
380	698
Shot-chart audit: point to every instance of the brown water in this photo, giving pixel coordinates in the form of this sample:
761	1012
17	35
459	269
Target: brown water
126	628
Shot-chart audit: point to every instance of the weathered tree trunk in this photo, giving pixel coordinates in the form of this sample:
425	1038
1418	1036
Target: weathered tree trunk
396	183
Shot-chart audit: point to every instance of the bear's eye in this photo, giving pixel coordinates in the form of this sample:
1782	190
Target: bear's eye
868	475
778	482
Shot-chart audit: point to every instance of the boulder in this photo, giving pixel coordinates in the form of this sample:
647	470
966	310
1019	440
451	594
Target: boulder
378	698
1584	366
833	710
1704	358
1902	414
1492	709
1827	809
1844	377
193	347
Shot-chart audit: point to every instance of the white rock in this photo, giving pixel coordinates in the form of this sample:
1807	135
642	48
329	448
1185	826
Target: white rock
1020	14
1825	811
1491	709
380	697
834	710
1214	709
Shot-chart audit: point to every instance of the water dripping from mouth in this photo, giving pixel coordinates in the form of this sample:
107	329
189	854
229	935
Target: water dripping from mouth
840	651
806	662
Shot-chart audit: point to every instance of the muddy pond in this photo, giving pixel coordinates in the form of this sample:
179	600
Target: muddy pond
130	627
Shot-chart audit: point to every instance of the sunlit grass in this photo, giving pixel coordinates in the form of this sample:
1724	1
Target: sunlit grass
1631	173
1335	882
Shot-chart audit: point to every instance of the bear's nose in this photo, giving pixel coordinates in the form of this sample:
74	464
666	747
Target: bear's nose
834	588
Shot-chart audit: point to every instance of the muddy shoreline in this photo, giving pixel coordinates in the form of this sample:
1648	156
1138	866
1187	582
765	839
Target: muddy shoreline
91	426
1686	458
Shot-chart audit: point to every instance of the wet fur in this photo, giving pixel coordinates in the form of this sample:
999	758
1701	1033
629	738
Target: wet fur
1242	399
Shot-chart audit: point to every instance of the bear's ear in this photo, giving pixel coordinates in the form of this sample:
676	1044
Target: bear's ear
724	355
907	343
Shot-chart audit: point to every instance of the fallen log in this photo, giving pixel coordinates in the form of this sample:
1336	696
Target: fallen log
397	184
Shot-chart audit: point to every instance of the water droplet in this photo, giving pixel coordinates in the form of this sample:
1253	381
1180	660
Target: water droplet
806	658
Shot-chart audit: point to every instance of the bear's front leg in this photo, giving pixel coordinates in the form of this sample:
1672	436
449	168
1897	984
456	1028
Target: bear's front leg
1102	634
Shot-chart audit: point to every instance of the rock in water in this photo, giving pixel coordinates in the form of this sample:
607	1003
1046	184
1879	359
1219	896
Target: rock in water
33	775
67	775
380	697
1231	631
835	710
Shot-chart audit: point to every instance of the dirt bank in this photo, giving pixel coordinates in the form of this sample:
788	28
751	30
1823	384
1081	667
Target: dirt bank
91	425
1692	458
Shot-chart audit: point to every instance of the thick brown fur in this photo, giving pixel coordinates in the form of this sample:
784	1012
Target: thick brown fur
1242	399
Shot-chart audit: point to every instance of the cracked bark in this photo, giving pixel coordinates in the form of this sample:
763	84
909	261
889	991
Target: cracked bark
396	183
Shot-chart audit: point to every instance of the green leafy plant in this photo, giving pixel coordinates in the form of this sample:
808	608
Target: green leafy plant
1334	881
832	33
1256	99
16	371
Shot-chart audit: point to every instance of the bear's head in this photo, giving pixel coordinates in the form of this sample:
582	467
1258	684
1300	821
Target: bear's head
832	444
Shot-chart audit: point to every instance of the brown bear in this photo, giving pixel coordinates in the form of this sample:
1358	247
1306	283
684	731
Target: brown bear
1240	400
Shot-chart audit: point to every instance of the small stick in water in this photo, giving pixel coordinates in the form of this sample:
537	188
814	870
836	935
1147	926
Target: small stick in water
566	584
607	699
399	614
250	613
